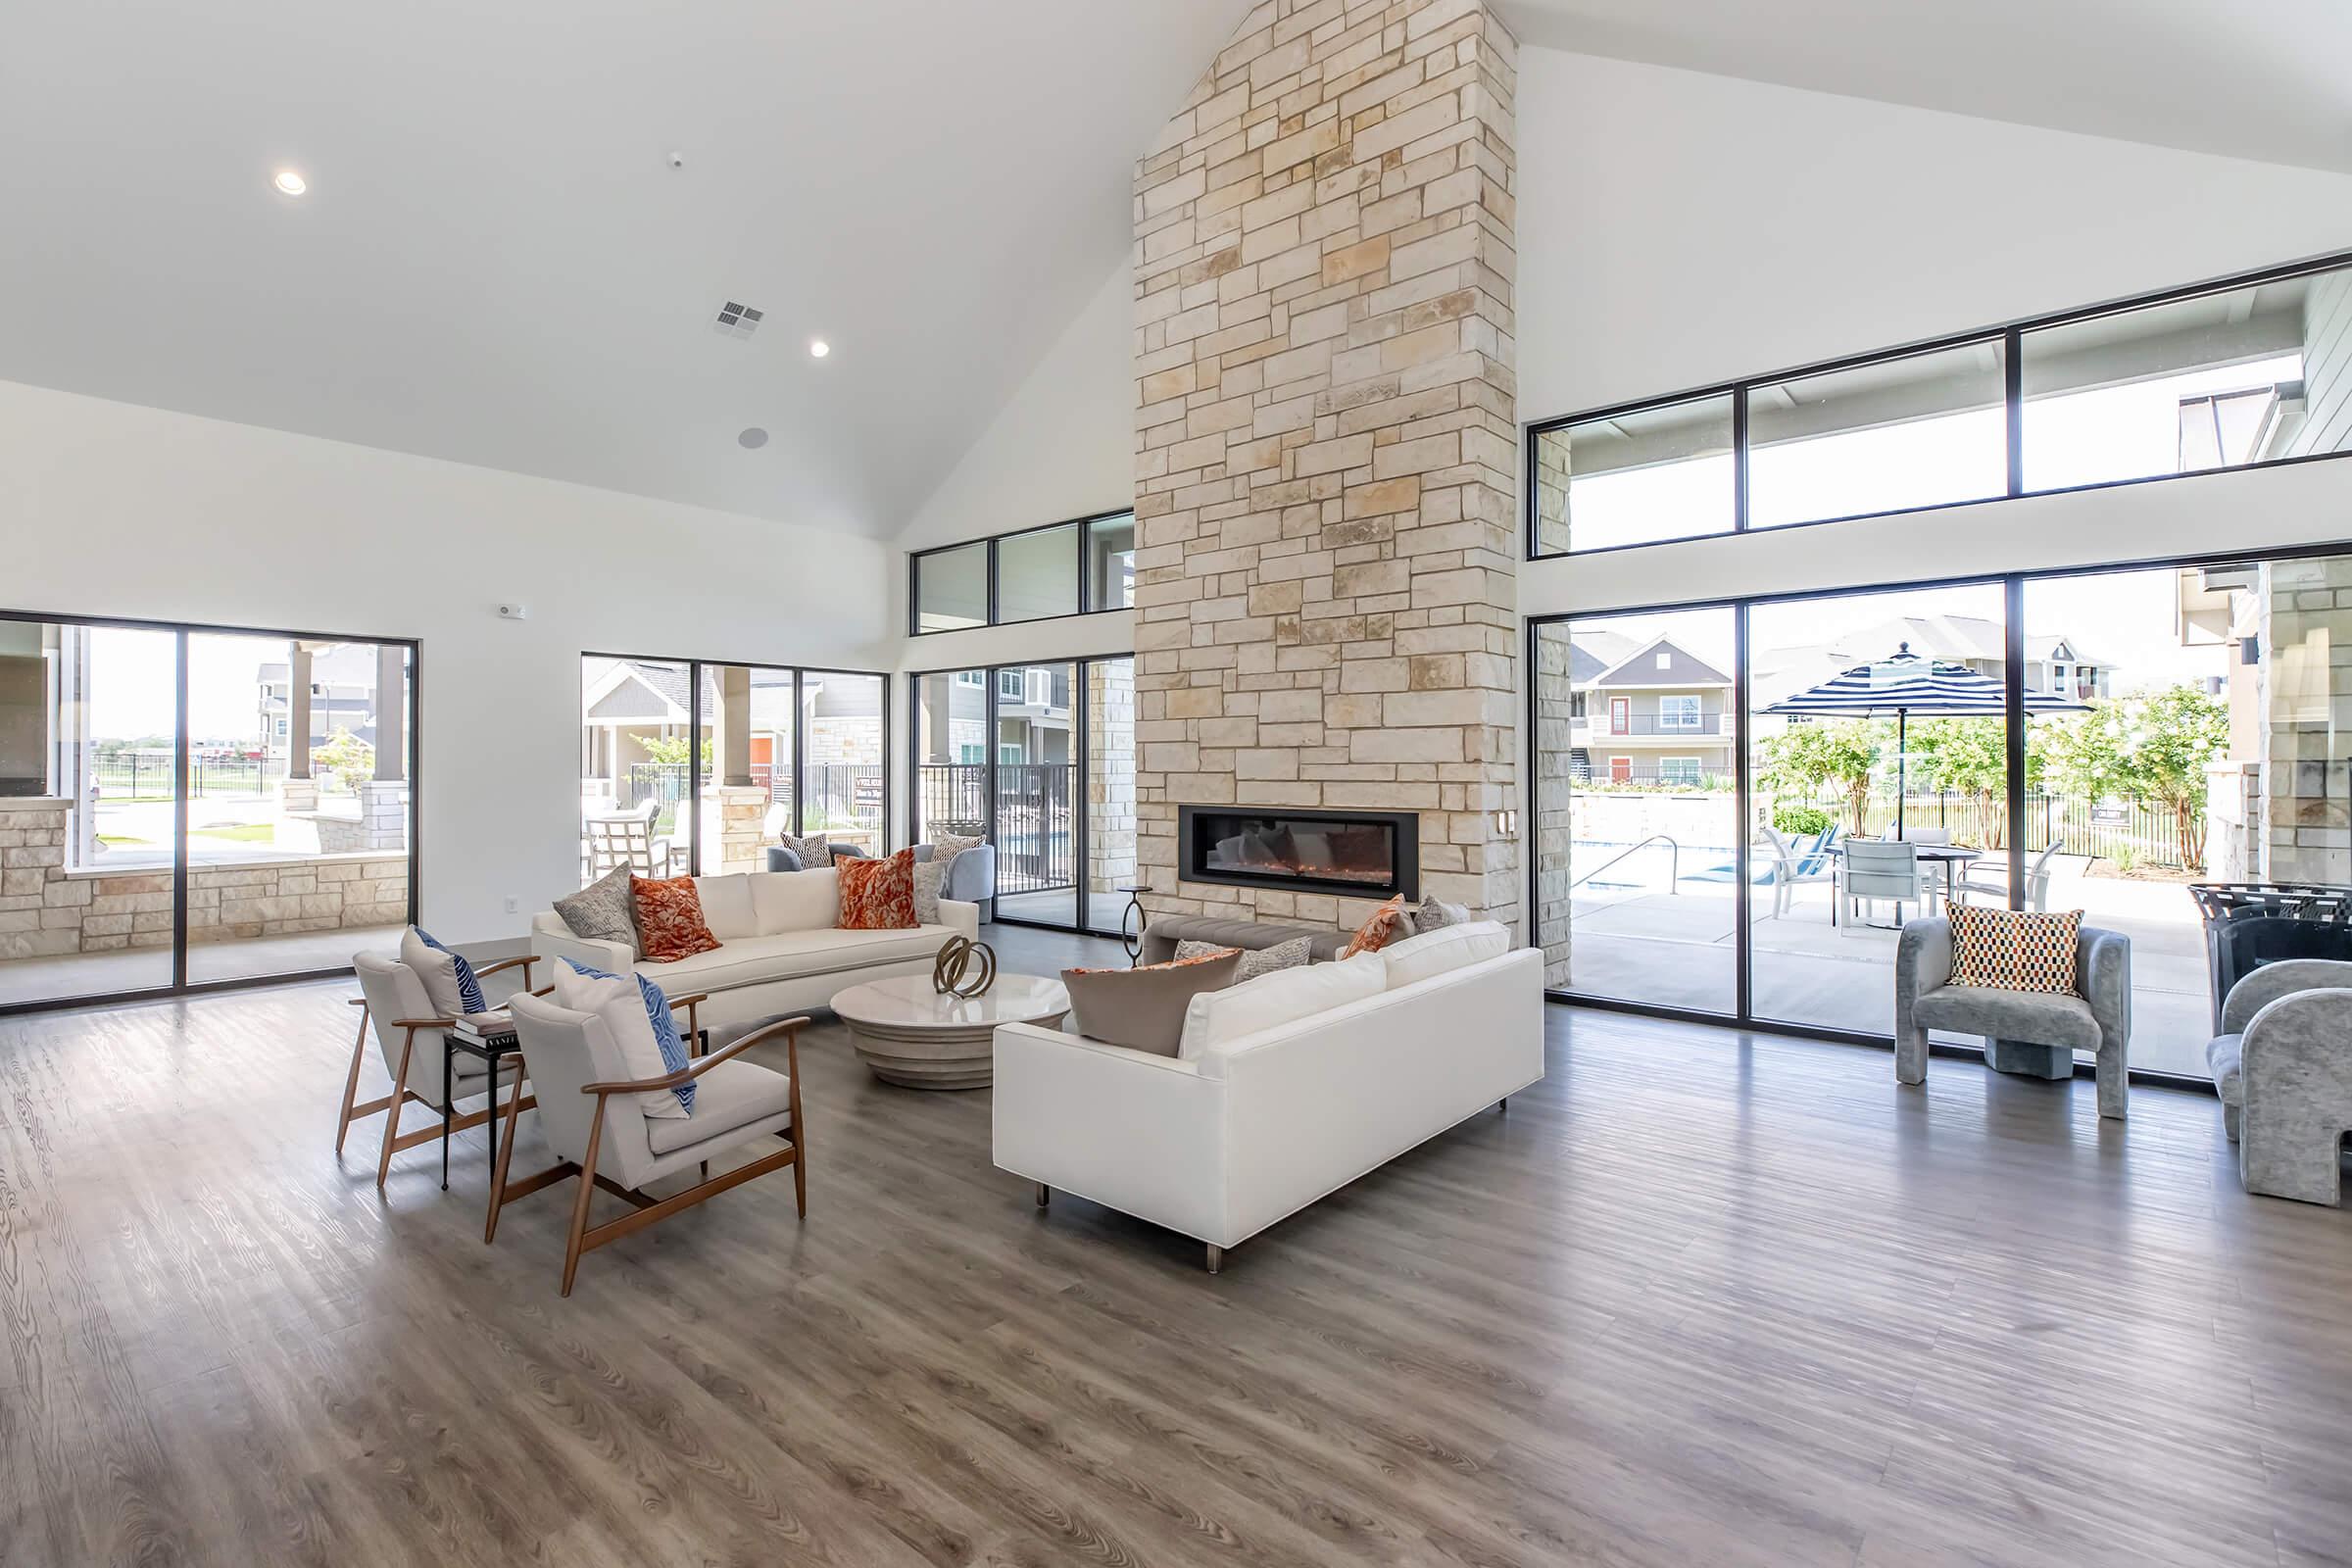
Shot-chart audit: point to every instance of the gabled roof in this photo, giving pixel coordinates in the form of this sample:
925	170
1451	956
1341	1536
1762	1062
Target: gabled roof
1643	668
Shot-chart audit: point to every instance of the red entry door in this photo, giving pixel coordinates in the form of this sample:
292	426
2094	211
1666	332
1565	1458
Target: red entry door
1621	770
1621	715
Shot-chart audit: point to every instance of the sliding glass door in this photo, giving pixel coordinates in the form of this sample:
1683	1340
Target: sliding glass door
1638	829
689	767
2093	741
1040	759
180	807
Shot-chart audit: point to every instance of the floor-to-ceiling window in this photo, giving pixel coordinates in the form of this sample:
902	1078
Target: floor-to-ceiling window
182	807
1876	785
687	766
1039	758
1638	831
2093	741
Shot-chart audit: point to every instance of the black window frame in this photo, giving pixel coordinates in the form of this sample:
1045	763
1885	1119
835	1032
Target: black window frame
1082	676
799	734
2010	335
183	749
1083	527
2013	584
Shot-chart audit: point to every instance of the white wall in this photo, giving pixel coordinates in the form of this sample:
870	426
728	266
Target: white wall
1063	447
110	509
1677	230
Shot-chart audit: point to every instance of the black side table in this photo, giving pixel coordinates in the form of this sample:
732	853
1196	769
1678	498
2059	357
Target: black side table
1133	915
490	1049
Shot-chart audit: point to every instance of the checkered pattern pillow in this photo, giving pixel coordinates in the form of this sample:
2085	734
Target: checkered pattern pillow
2011	950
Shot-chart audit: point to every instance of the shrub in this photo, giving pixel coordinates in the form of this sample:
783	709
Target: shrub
1793	818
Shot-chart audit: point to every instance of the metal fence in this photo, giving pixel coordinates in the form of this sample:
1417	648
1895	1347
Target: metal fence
836	796
2081	825
1036	848
147	774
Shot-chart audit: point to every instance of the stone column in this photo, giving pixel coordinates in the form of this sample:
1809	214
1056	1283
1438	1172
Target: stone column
298	793
384	799
732	725
1327	448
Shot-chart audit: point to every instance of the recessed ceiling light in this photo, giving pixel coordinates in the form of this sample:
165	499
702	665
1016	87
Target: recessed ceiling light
818	348
752	439
290	184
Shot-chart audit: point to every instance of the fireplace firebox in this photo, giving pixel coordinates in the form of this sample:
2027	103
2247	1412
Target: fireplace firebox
1363	855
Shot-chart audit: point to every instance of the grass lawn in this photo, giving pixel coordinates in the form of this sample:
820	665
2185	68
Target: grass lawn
242	833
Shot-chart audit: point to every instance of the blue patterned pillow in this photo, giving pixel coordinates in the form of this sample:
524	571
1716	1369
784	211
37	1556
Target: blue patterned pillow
665	1028
470	989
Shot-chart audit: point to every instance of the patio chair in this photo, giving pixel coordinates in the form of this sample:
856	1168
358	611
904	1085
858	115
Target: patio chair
627	837
1876	870
1926	835
1991	878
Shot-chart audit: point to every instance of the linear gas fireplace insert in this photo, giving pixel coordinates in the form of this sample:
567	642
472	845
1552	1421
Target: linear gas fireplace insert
1363	855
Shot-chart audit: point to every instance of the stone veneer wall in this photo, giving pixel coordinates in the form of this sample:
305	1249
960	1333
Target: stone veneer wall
1109	784
2306	643
46	909
1327	441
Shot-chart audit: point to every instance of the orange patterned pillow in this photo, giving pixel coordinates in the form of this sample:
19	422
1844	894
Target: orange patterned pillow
877	895
1378	927
669	918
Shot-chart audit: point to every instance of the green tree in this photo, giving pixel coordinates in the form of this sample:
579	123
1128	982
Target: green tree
344	757
1805	760
1970	757
671	751
2151	749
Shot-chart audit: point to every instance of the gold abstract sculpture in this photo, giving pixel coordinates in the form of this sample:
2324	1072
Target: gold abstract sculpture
956	957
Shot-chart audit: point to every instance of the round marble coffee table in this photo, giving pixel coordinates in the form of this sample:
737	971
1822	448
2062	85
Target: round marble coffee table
911	1035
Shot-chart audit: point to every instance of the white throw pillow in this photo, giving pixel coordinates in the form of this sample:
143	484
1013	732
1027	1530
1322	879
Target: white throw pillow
437	969
1450	947
927	877
1216	1019
617	999
796	901
727	905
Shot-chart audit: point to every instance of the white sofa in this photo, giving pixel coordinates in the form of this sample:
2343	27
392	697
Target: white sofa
779	951
1221	1144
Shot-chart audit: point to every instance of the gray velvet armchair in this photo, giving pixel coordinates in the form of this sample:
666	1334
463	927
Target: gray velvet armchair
2027	1032
2284	1066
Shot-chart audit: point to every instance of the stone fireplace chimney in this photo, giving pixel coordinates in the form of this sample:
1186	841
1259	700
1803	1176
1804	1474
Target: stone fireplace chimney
1327	445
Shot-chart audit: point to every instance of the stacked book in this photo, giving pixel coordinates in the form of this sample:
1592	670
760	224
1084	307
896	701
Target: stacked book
493	1028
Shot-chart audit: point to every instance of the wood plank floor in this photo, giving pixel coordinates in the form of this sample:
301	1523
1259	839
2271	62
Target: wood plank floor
1697	1299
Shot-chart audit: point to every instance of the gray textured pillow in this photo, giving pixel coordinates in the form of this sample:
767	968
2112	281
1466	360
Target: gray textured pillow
1434	914
1142	1008
815	852
1291	955
604	912
927	875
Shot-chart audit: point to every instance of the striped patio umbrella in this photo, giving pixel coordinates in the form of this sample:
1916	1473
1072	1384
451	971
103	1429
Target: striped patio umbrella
1907	684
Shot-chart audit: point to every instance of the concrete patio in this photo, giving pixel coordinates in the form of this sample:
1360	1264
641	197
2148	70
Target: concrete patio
1636	940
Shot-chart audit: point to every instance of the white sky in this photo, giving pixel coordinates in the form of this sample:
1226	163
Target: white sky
131	681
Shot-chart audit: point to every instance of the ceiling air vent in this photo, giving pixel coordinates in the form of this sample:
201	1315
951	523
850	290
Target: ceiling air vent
736	321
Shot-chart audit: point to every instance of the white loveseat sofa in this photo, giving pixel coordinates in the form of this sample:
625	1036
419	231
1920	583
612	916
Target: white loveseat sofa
1220	1144
779	951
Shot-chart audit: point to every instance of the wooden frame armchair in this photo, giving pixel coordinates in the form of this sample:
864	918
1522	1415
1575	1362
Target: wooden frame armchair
392	998
591	1116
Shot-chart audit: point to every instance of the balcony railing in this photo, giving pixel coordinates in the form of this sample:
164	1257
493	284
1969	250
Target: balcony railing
1665	725
1033	827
